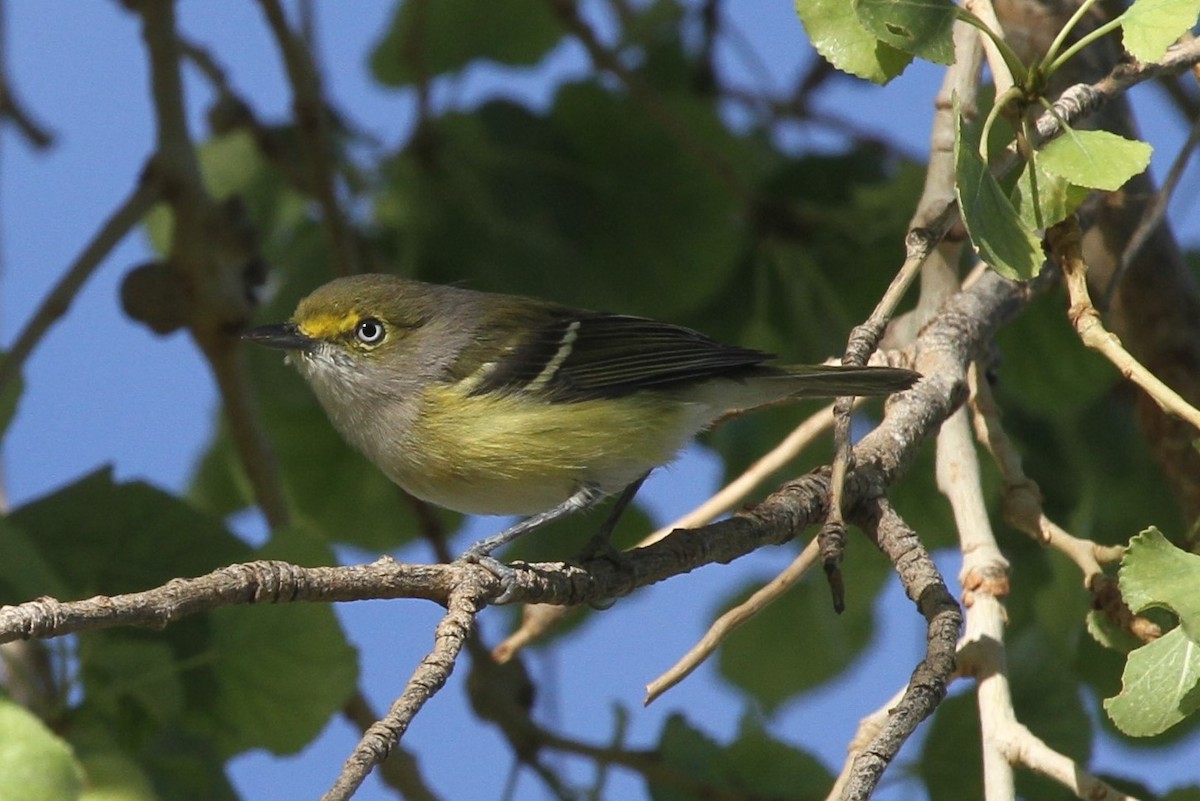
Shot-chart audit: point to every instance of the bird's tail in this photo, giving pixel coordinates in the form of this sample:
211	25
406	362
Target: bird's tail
833	381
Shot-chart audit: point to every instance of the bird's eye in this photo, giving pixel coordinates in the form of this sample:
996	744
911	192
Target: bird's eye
369	331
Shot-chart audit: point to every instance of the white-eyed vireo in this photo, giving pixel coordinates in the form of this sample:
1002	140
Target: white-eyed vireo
505	405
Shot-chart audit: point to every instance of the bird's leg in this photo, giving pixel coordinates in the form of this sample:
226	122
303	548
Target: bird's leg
600	544
480	552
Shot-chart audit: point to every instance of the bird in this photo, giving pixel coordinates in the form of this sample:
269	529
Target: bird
495	404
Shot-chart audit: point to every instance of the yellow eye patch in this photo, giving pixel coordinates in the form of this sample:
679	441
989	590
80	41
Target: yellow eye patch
329	326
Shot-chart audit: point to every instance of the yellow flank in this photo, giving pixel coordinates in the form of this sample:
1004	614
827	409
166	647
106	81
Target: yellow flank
498	454
328	325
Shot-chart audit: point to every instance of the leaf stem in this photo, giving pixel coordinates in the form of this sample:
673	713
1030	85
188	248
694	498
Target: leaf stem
1052	51
1067	54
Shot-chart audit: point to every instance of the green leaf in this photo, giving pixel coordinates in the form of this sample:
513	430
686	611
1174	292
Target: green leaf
25	571
281	671
997	234
103	537
923	28
1108	633
950	762
839	36
1149	27
576	206
1156	573
9	399
431	38
113	776
1042	335
754	765
233	165
1158	687
1098	159
1057	198
35	764
770	768
123	670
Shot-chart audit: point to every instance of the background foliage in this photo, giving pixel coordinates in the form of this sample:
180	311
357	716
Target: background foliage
669	191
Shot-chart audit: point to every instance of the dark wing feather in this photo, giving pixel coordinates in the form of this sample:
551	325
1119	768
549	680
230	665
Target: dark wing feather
584	356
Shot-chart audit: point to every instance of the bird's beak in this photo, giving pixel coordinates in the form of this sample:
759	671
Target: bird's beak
283	336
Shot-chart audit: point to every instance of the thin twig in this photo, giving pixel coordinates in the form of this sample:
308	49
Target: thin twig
729	622
1066	248
943	618
1023	511
313	124
210	255
430	676
400	770
10	108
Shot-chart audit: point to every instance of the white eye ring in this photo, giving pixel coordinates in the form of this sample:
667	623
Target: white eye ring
369	331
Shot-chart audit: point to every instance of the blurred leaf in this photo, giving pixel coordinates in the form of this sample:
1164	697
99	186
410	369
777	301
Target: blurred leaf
35	764
772	660
950	763
1057	198
431	37
754	765
1149	27
1105	631
920	27
997	233
1159	687
103	537
185	767
770	768
1189	793
839	36
1156	573
281	671
113	776
1046	367
9	399
1046	693
25	572
232	165
1099	159
127	673
513	198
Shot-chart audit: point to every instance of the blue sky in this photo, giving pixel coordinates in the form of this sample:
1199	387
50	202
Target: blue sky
103	390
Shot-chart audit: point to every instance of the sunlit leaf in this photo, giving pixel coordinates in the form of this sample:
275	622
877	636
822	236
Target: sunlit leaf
1159	687
1099	159
921	27
1156	573
997	233
1149	27
35	764
113	776
839	36
1056	199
